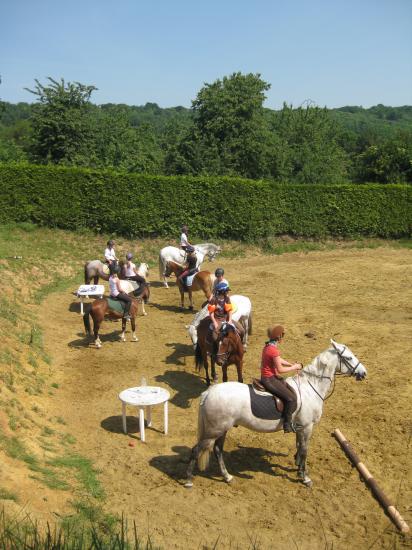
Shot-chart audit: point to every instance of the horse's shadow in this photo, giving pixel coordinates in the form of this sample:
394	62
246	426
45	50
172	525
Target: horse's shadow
187	386
240	462
86	340
180	351
173	309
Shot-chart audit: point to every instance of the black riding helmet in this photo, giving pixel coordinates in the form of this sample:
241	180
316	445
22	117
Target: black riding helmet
219	272
114	269
110	243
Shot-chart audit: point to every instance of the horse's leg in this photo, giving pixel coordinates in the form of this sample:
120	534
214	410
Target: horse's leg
182	296
218	449
96	280
213	369
189	473
133	323
96	326
206	367
239	368
224	370
142	302
190	298
302	443
123	334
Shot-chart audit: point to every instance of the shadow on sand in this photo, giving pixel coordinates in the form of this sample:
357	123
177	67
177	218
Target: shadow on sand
241	462
187	386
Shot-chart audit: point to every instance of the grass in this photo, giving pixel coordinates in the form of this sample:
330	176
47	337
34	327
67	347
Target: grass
7	495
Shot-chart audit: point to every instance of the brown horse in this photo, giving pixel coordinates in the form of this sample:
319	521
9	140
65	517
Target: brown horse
100	310
203	280
227	350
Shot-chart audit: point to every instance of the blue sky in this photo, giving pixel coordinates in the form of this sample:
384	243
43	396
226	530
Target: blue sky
333	52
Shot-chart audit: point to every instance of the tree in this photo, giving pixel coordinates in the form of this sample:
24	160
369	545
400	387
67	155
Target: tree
307	148
229	125
61	122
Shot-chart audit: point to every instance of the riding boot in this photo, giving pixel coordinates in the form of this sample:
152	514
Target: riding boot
288	425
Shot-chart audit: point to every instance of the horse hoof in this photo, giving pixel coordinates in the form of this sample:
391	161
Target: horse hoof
145	314
229	478
188	484
135	339
307	482
98	346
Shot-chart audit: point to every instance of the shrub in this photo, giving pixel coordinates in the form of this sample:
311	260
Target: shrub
137	205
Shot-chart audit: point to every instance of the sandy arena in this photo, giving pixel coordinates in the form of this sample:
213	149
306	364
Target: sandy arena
359	297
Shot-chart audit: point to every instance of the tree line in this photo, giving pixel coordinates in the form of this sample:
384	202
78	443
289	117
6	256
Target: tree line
226	132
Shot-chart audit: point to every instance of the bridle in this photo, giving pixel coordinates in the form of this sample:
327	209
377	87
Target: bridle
225	354
342	359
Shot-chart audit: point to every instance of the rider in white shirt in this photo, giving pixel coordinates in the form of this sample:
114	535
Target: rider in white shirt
129	271
184	238
109	253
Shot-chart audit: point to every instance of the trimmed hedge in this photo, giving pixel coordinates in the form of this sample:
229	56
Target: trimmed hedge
140	205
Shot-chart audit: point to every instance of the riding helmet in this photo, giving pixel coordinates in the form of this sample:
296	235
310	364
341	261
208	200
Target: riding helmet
114	268
129	256
222	287
219	272
110	243
276	333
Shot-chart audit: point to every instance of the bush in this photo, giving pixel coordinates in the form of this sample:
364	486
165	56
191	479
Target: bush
137	205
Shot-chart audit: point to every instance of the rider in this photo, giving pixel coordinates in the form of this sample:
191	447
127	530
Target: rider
109	253
129	271
184	238
191	263
219	279
271	367
220	310
116	291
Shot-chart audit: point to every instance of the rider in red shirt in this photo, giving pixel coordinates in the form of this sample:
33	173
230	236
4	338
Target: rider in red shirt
271	368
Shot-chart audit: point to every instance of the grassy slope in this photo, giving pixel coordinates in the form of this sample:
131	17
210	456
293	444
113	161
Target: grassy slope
37	455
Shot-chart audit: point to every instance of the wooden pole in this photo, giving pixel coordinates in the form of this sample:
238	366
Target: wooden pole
367	476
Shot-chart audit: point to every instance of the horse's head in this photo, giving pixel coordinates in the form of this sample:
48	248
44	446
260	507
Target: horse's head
213	252
347	362
228	343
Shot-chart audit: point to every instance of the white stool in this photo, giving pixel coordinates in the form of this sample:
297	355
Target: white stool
84	291
145	397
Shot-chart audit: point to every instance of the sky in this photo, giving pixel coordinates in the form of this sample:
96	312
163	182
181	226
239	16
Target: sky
331	52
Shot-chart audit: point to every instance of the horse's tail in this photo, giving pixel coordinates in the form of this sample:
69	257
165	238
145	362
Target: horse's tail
86	274
198	356
146	294
86	321
161	266
250	324
205	444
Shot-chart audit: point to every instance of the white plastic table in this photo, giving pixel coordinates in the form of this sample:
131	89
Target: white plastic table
84	291
144	397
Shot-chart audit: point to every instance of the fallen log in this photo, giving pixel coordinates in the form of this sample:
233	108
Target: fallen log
370	481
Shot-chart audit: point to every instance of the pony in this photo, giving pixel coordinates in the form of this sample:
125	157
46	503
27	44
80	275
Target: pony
229	404
227	350
178	255
242	313
99	310
202	280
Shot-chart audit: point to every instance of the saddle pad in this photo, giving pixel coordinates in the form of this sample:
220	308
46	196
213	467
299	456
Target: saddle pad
189	279
116	305
262	405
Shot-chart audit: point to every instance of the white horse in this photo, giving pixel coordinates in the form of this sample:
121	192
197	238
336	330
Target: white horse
228	404
174	254
242	314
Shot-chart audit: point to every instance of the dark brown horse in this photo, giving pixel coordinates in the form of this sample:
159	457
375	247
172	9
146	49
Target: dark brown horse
203	280
226	350
100	310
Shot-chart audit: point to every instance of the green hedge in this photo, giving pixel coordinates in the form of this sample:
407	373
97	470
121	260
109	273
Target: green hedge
141	205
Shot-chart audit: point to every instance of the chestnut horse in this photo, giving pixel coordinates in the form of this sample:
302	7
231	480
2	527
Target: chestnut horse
99	310
203	280
227	350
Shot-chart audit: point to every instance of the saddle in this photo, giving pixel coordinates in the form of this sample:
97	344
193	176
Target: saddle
116	305
257	385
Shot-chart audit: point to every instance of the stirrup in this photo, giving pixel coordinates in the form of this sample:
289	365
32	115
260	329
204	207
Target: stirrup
127	318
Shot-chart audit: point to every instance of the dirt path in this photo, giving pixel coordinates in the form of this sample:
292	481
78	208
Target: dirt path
358	297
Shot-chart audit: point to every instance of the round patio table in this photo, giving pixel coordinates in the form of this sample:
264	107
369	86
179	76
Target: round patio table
145	397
